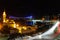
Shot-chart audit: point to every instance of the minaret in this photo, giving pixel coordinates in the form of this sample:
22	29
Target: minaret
4	17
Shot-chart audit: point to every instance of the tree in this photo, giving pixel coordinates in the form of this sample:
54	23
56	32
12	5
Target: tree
6	29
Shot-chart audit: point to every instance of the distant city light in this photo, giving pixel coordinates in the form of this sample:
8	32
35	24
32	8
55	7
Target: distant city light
17	25
14	25
25	28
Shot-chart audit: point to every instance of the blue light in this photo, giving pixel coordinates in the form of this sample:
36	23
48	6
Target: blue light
29	17
12	17
29	23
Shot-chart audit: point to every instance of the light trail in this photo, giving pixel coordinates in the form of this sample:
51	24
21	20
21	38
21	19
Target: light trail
48	32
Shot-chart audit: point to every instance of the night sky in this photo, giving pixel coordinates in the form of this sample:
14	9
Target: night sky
23	8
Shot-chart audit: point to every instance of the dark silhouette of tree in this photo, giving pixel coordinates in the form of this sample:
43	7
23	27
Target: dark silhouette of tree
6	29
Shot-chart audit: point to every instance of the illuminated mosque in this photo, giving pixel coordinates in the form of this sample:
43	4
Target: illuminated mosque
12	23
7	21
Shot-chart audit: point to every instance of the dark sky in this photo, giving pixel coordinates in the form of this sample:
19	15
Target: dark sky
29	7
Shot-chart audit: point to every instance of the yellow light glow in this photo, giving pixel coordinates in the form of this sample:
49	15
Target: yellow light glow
43	18
4	13
7	21
14	22
1	26
4	16
25	28
4	21
20	31
17	25
14	25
